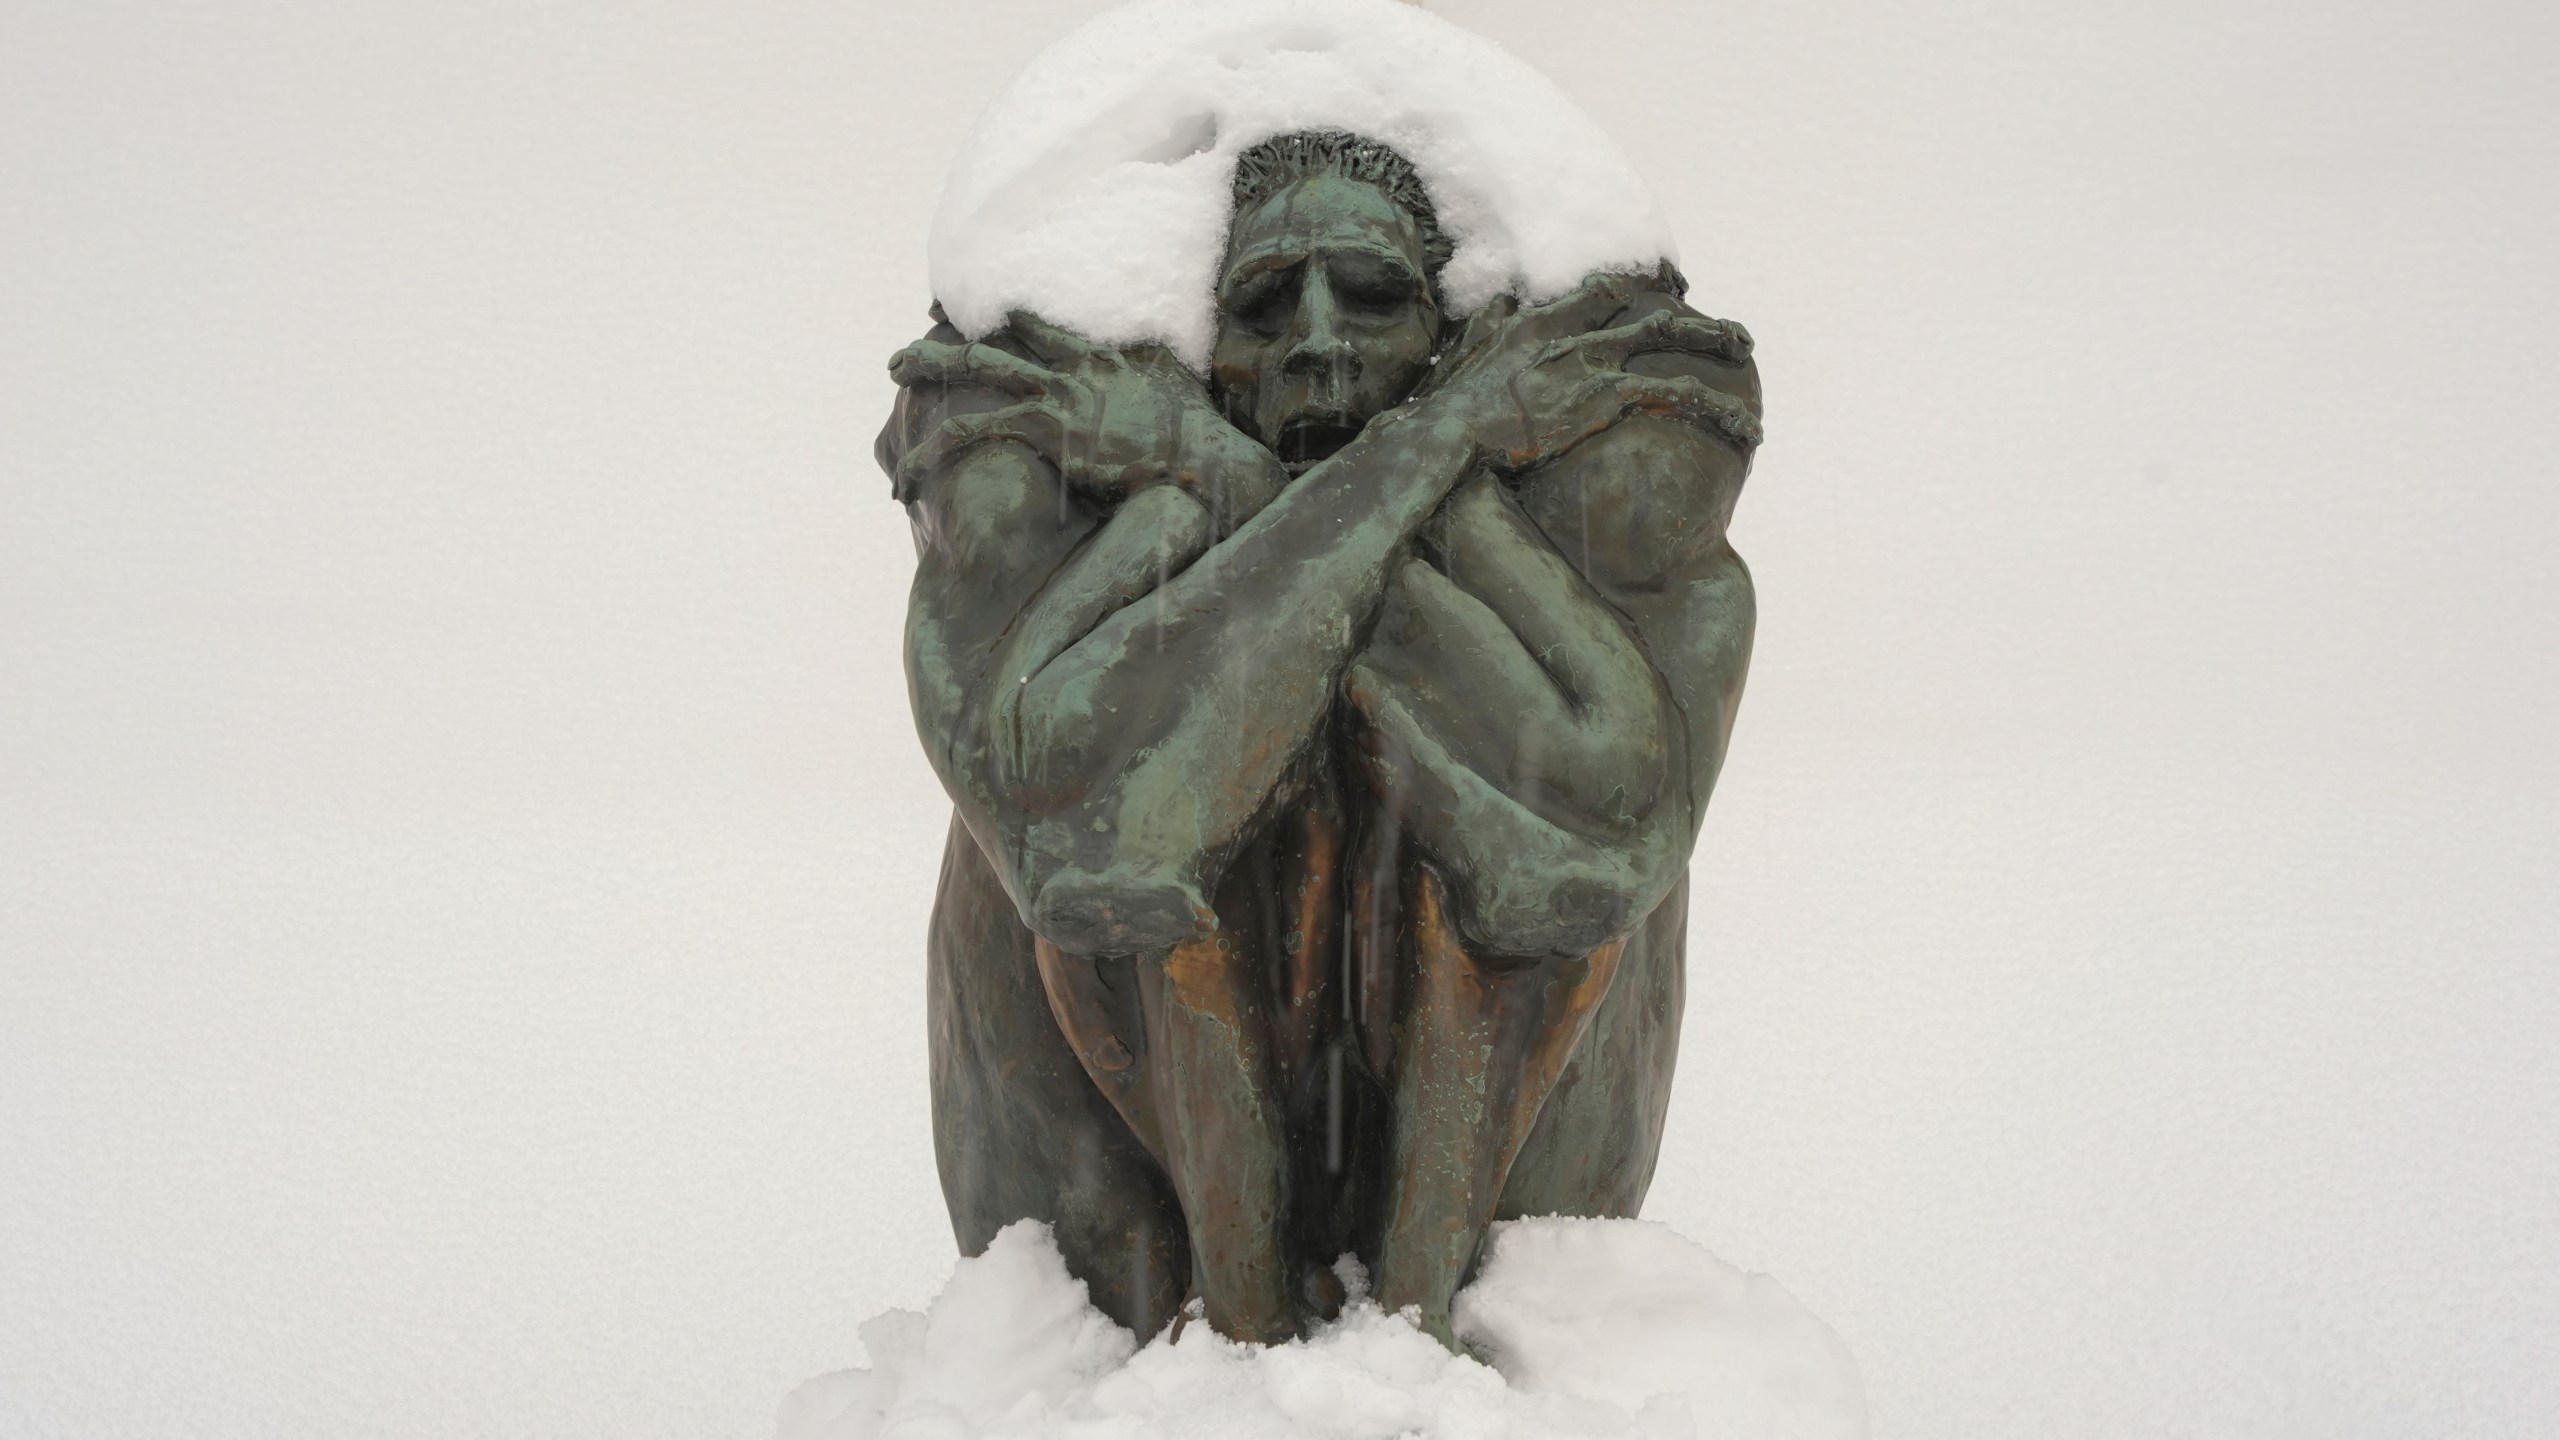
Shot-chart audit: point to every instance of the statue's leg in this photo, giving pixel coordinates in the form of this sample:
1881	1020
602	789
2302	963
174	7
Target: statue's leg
1325	1095
1020	1132
1209	1053
1593	1147
1219	1058
1480	1046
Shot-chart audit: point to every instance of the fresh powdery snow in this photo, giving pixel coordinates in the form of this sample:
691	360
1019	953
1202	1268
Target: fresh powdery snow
1095	188
1595	1328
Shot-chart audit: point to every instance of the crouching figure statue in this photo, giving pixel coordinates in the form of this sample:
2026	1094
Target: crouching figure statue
1327	740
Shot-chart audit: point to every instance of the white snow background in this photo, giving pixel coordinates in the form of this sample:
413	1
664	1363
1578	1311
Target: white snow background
466	858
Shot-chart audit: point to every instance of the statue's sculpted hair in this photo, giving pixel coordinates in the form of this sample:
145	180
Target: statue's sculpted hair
1284	160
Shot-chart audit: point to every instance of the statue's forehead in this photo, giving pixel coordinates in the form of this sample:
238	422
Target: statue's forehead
1325	212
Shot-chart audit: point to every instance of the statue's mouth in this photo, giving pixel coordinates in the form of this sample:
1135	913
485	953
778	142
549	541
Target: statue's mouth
1311	439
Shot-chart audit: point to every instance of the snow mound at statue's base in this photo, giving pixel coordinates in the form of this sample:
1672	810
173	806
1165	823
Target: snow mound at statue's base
1595	1328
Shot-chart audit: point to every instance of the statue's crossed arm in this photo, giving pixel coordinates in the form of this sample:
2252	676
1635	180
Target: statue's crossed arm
1117	651
1551	684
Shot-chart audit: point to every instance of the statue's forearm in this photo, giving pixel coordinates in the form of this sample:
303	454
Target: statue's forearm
1031	744
1276	605
1209	688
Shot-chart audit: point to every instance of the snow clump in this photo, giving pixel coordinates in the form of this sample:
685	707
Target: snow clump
1596	1329
1094	189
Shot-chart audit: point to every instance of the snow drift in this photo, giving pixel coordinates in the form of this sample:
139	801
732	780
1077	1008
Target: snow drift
1595	1328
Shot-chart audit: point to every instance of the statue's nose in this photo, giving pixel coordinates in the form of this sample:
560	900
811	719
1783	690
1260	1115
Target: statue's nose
1322	354
1321	348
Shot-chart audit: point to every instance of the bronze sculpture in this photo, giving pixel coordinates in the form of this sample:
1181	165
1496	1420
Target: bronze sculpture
1327	740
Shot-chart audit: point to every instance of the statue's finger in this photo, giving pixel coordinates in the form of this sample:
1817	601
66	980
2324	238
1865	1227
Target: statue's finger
1737	336
1667	330
931	362
1692	401
1055	344
907	366
1586	306
1610	346
1479	330
1030	424
1374	692
1604	399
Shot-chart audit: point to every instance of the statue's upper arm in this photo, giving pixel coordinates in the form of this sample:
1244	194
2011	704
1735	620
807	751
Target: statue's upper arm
1641	510
991	526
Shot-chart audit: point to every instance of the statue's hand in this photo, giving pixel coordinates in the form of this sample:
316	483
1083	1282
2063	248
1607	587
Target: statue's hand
1112	421
1531	382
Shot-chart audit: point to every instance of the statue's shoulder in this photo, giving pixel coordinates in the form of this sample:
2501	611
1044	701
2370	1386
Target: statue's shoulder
1649	499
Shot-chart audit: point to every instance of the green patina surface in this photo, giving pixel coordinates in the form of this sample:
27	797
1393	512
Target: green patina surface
1327	737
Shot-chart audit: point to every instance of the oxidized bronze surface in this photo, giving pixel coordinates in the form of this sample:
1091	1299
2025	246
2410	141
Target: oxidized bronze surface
1327	740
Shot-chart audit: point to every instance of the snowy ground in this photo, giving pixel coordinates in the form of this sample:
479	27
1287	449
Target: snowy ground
1593	1328
463	857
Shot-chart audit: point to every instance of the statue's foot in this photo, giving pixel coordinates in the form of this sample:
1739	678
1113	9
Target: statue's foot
1320	1294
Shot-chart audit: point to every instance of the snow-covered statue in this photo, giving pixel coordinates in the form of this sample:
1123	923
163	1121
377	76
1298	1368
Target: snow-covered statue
1329	671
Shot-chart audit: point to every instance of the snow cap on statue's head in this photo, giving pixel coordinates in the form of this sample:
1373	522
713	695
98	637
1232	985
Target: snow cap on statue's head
1096	189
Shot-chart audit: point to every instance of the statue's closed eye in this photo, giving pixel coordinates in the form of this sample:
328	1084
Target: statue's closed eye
1372	282
1262	301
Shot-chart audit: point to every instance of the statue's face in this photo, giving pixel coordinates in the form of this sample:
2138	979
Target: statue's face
1325	316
